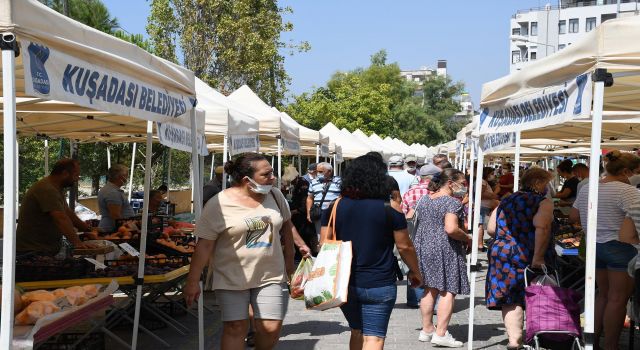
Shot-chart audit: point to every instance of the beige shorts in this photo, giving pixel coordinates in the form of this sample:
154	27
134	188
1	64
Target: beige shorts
269	302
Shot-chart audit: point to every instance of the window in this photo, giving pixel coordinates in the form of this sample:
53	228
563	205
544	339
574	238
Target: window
591	23
515	57
524	29
534	28
515	31
561	46
562	27
607	16
533	55
574	25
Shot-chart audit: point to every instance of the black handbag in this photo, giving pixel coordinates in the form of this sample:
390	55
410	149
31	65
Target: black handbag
315	212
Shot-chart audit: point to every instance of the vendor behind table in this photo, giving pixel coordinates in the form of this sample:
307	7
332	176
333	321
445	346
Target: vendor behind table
112	202
45	216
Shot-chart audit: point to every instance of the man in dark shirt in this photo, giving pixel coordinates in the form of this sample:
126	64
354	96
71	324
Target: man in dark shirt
45	216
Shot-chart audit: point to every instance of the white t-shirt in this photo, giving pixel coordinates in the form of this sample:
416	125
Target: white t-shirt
248	253
616	200
404	180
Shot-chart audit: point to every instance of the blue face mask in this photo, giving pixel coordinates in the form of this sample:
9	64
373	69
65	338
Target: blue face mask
320	177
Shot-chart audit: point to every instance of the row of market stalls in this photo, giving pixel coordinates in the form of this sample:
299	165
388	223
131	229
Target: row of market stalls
578	103
62	79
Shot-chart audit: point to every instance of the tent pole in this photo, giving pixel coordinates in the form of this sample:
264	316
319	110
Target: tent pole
133	165
516	165
225	153
143	235
299	165
169	176
197	166
10	188
592	213
279	163
46	157
471	198
317	153
213	160
476	236
108	157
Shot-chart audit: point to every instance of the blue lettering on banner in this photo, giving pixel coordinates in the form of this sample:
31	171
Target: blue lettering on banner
244	143
96	85
538	108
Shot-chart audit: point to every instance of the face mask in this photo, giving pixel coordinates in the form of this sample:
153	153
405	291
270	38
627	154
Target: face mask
460	192
411	169
320	177
260	189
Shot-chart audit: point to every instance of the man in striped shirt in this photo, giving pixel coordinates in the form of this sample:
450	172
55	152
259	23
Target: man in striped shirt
324	182
413	195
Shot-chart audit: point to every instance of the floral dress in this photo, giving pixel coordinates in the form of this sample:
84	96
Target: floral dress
441	259
512	250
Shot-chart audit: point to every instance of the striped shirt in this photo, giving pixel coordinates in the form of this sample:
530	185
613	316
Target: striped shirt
616	200
316	188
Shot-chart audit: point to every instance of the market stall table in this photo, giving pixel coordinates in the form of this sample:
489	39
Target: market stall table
154	287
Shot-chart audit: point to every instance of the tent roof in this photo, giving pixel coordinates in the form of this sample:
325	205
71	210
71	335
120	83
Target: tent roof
223	117
271	123
351	146
62	38
611	45
376	147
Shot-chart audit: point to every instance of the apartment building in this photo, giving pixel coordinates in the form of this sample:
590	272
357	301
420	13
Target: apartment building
539	32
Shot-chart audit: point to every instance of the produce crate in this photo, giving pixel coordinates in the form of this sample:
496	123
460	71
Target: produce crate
67	341
34	268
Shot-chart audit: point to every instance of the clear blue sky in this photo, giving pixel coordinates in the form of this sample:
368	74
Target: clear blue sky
472	35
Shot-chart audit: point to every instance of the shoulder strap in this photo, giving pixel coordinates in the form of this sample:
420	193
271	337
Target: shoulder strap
324	192
332	221
276	200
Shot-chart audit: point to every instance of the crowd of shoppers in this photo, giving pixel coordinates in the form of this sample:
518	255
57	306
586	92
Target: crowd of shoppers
419	212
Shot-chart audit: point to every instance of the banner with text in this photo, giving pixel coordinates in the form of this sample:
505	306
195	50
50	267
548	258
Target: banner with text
290	146
54	75
243	144
497	142
179	137
543	107
339	158
324	150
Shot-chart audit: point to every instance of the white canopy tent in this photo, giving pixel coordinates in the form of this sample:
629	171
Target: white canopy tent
62	79
391	151
350	146
555	95
271	124
376	147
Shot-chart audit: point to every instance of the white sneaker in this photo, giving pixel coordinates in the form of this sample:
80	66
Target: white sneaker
447	341
425	337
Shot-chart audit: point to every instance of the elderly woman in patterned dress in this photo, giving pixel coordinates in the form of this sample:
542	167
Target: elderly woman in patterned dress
521	226
441	243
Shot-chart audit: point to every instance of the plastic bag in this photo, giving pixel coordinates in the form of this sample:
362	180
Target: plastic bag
300	278
547	279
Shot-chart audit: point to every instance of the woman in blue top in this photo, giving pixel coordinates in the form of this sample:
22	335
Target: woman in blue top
373	227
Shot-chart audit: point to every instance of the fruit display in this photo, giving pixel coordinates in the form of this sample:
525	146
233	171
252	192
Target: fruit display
47	268
127	265
40	303
184	246
569	240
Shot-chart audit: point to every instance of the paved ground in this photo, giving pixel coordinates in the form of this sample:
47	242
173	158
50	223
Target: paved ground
328	330
307	330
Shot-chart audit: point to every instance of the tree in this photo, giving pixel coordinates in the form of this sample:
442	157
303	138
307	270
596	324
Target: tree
378	99
226	43
90	12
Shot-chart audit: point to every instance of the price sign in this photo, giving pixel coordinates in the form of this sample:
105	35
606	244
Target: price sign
129	249
98	264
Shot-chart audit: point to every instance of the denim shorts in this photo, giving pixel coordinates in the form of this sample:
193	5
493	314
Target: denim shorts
369	309
614	255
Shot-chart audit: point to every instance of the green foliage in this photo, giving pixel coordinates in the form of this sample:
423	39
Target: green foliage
226	43
377	99
90	12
